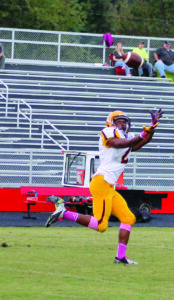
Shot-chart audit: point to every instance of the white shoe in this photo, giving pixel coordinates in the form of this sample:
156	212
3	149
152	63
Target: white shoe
58	214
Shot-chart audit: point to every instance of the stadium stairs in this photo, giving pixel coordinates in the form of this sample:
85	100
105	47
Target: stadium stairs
77	102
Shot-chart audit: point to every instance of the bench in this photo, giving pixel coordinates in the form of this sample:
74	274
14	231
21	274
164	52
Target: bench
31	199
168	75
32	195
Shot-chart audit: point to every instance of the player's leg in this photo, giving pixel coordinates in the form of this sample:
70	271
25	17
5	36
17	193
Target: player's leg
61	213
102	193
127	219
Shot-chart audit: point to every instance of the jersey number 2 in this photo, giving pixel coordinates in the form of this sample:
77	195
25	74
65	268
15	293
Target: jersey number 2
124	159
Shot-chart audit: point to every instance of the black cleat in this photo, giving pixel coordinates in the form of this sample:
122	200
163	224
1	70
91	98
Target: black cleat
124	261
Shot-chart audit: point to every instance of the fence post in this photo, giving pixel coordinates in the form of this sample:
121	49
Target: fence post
58	49
148	48
12	46
104	53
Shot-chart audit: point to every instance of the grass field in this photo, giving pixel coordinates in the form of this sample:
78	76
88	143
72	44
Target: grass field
77	263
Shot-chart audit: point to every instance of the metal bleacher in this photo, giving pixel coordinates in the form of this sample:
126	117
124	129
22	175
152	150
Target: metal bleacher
77	104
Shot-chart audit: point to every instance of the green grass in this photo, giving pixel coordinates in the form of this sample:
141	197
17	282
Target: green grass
77	263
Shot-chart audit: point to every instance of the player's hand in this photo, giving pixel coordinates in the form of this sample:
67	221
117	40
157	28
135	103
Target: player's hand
150	129
156	117
147	130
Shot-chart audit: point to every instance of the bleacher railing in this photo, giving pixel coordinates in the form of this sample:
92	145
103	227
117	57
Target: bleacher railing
4	95
20	113
24	46
54	130
45	125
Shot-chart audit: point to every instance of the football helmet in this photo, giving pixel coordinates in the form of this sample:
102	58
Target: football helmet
115	115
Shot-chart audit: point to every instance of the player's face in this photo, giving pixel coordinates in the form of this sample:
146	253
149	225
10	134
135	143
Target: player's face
121	124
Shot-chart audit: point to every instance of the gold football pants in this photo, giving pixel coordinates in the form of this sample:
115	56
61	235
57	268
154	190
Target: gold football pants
107	201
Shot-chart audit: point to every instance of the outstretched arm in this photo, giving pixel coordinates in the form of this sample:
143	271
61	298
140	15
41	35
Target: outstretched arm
139	141
143	142
134	143
154	123
124	143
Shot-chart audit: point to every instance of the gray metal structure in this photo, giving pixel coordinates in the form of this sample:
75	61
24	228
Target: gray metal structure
77	106
36	47
56	92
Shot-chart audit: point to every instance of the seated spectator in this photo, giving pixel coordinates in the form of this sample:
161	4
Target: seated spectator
2	57
117	58
164	59
144	55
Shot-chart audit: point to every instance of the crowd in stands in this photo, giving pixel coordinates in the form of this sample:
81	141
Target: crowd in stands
163	56
164	60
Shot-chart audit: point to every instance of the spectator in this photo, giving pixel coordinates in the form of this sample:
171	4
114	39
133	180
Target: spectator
147	66
2	57
117	58
164	59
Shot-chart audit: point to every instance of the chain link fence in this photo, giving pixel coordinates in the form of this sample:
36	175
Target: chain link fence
30	168
67	48
46	168
150	172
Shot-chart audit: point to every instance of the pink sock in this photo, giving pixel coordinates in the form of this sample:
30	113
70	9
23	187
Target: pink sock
126	227
70	215
93	223
121	252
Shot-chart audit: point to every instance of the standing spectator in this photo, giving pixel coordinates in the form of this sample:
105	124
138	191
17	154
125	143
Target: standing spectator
164	59
144	55
118	59
2	57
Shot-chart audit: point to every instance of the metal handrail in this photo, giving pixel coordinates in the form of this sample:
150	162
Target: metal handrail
44	132
58	41
5	97
20	112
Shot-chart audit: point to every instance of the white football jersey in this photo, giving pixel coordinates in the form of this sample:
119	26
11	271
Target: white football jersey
112	160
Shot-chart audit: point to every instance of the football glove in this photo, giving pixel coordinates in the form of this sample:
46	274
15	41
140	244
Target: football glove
148	130
156	116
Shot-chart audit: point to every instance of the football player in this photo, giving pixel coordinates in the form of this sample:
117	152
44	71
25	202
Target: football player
115	144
